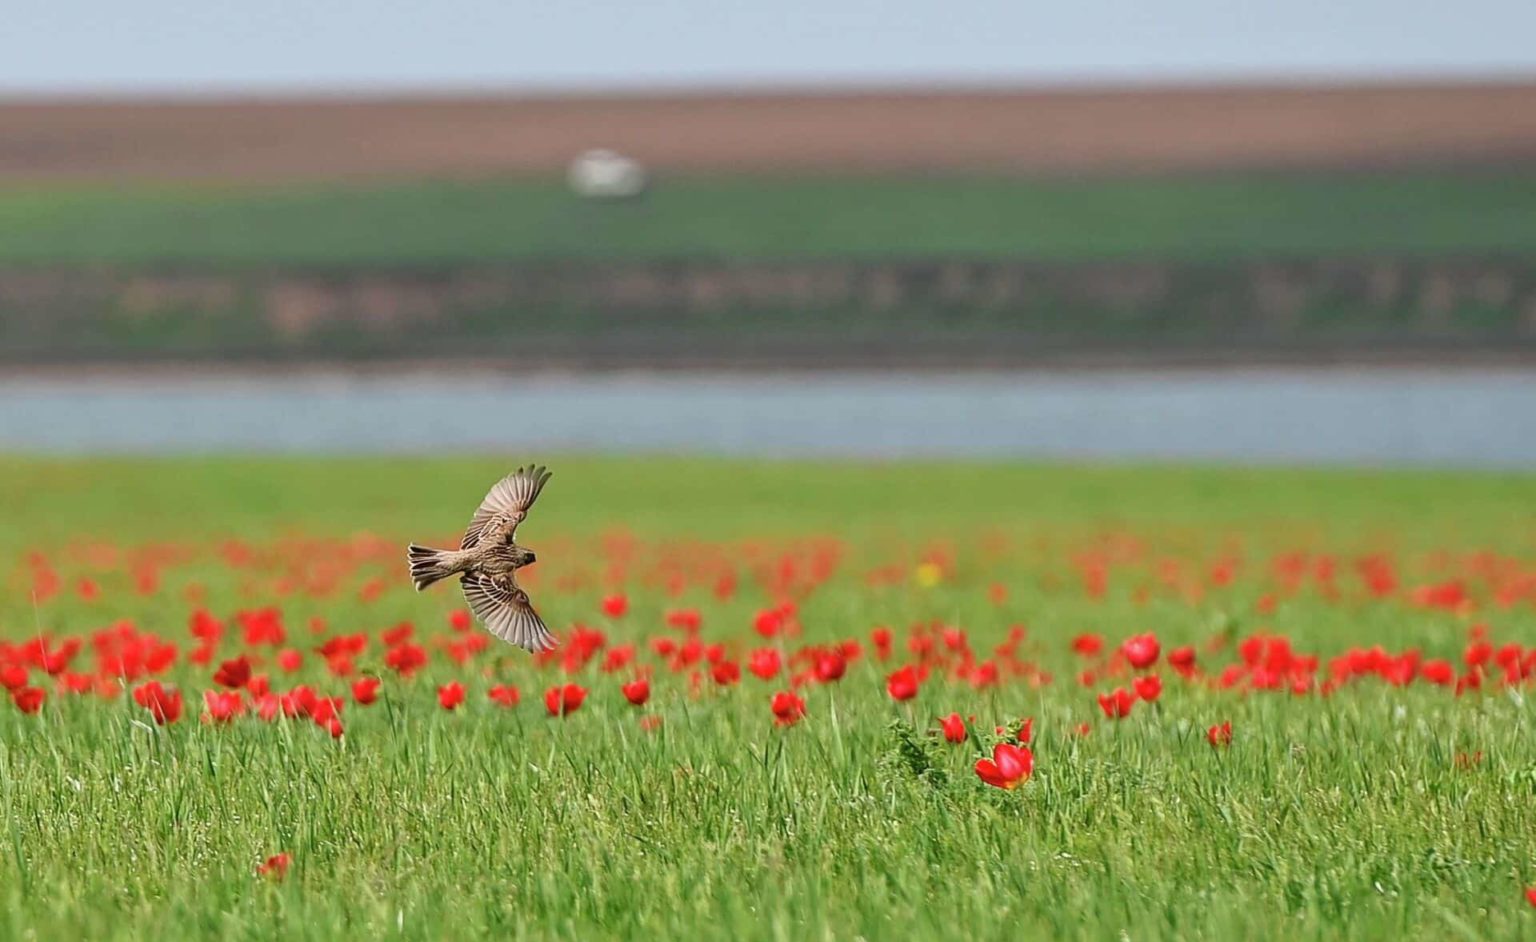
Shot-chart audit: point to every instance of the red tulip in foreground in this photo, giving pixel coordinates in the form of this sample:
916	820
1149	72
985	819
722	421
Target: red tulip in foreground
954	728
1009	767
787	708
637	691
1220	735
275	867
562	701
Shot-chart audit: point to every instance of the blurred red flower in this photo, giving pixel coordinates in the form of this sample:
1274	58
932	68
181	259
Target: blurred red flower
29	699
275	867
234	673
1148	688
365	690
954	728
902	684
787	708
290	660
1141	650
1088	644
637	691
163	704
614	606
830	666
561	701
222	705
406	658
1117	705
1220	735
460	620
13	676
765	663
505	695
450	695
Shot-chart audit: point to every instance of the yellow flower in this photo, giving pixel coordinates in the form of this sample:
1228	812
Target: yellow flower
928	575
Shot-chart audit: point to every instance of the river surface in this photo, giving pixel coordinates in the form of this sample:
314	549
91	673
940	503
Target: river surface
1403	416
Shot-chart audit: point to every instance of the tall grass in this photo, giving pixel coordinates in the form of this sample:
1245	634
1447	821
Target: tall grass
1346	816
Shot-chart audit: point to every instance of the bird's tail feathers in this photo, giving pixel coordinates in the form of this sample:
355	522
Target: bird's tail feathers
428	565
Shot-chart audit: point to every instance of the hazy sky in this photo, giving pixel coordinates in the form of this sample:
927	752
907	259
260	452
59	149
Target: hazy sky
194	46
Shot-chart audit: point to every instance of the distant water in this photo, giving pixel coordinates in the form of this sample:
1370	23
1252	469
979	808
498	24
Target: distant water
1365	417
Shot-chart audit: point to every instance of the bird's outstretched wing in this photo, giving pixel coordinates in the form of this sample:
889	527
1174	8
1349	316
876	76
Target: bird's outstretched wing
505	609
505	507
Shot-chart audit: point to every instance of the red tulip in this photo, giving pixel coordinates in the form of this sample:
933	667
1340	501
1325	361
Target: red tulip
222	705
954	728
769	622
830	666
163	704
725	673
450	695
290	660
365	690
29	699
1141	650
1117	705
1220	735
1148	688
275	867
505	695
765	663
1009	766
637	691
1439	672
561	701
234	673
902	684
787	708
398	635
1088	644
687	619
13	676
1530	895
614	606
406	658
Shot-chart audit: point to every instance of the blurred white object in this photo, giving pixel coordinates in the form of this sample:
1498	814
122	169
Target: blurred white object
605	174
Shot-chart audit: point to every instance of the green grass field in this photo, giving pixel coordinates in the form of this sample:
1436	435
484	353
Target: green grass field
427	223
1374	812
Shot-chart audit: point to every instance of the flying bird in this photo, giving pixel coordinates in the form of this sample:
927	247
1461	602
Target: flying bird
488	558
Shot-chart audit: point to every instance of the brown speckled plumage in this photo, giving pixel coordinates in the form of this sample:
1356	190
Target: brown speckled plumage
488	558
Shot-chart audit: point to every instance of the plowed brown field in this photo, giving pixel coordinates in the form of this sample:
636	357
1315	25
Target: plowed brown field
1057	131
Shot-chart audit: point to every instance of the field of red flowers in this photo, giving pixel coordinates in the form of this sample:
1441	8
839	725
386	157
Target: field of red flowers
788	701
